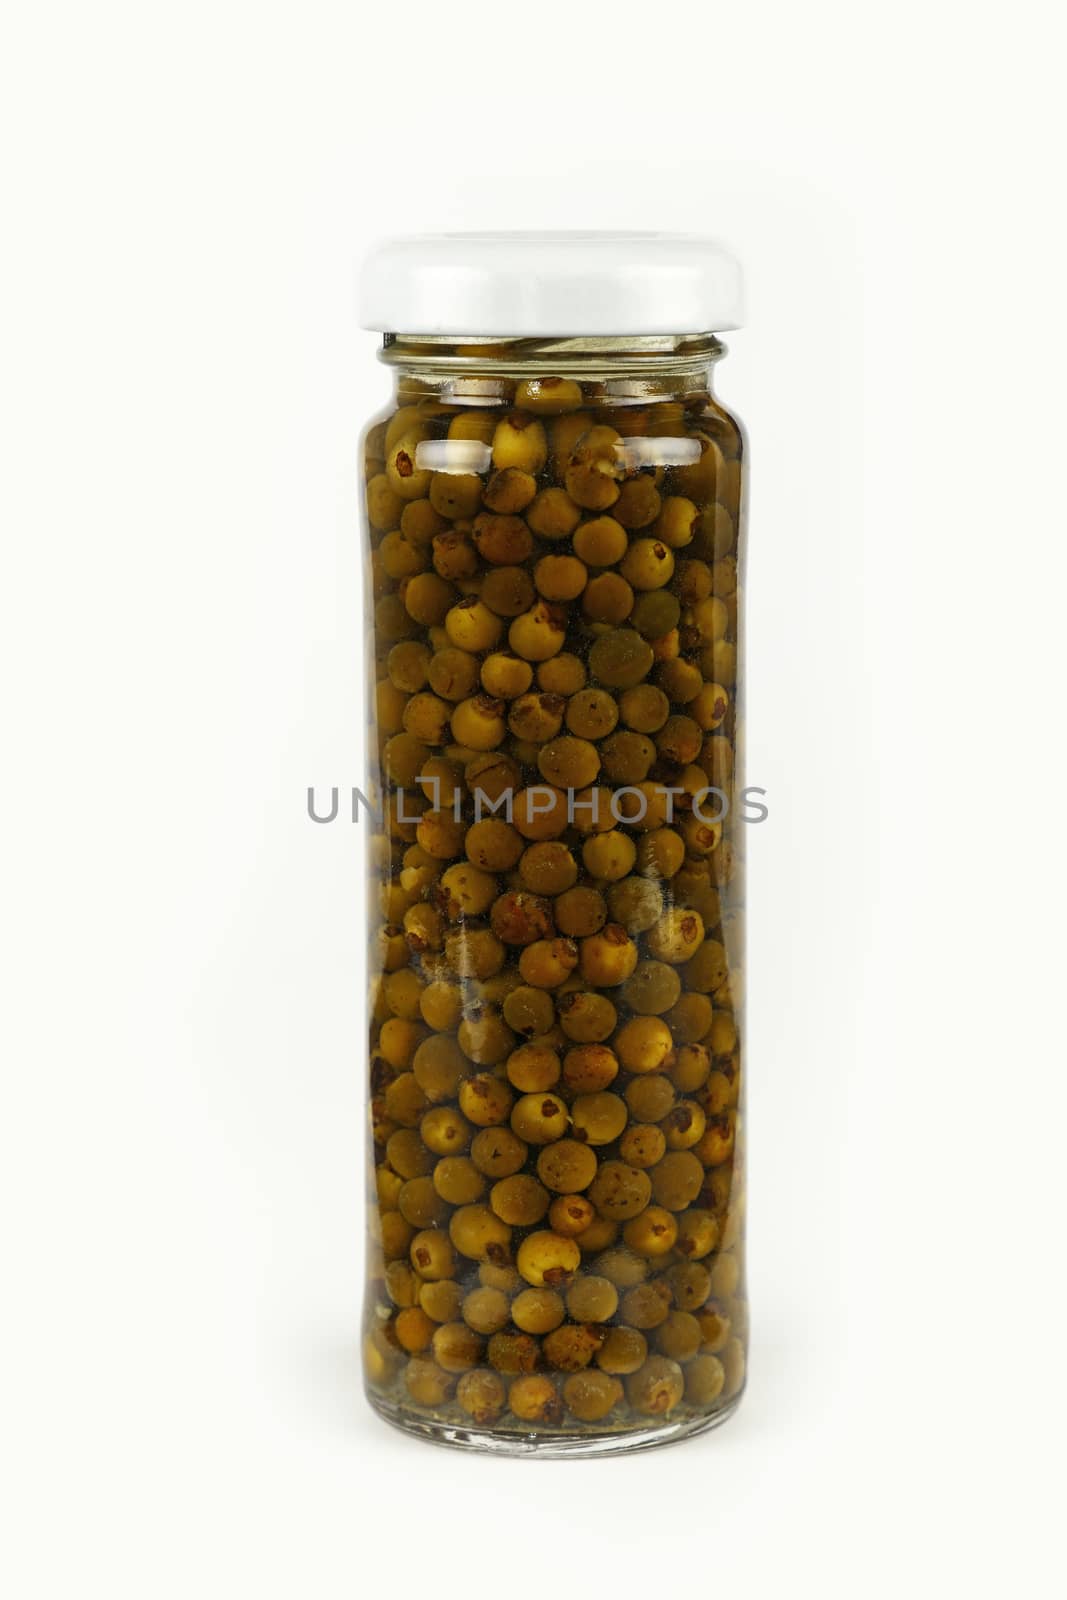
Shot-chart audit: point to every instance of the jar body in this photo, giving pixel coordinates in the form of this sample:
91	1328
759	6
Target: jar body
555	889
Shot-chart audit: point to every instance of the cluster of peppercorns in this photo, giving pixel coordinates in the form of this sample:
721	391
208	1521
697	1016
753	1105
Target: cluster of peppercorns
555	1038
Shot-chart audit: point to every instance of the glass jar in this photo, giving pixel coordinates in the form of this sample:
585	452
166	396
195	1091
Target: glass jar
554	559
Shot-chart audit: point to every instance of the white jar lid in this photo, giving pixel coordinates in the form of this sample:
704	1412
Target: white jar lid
547	284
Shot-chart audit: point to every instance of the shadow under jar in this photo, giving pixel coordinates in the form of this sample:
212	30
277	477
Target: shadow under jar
554	559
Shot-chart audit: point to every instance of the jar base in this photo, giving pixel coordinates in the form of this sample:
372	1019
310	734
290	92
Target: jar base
555	1446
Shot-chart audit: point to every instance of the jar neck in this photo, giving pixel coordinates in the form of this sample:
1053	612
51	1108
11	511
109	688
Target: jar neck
626	370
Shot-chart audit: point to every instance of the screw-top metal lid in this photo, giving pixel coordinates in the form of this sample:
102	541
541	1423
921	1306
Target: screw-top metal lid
531	284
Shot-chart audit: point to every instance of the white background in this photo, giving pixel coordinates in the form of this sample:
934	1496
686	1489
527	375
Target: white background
186	193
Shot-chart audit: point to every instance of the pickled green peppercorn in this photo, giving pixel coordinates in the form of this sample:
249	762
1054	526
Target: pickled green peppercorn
497	1152
484	1100
636	904
650	1097
528	1011
589	1396
619	1191
646	1305
547	1259
643	1043
677	1180
643	1144
457	1180
581	911
507	591
609	957
533	1068
538	1119
536	1399
690	1020
383	503
660	853
705	1378
714	1329
592	1299
479	1234
594	469
520	1201
678	1336
657	1387
591	713
427	1383
482	1395
733	1361
627	757
598	1118
652	1233
538	1311
553	514
396	1234
652	988
571	1347
684	1125
509	490
601	1234
420	1204
647	564
414	1330
569	763
588	1068
690	1283
624	1351
725	1276
486	1310
511	1353
456	1347
484	1036
585	1017
548	396
567	1166
574	1216
622	1267
620	659
698	1234
519	442
607	598
432	1254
